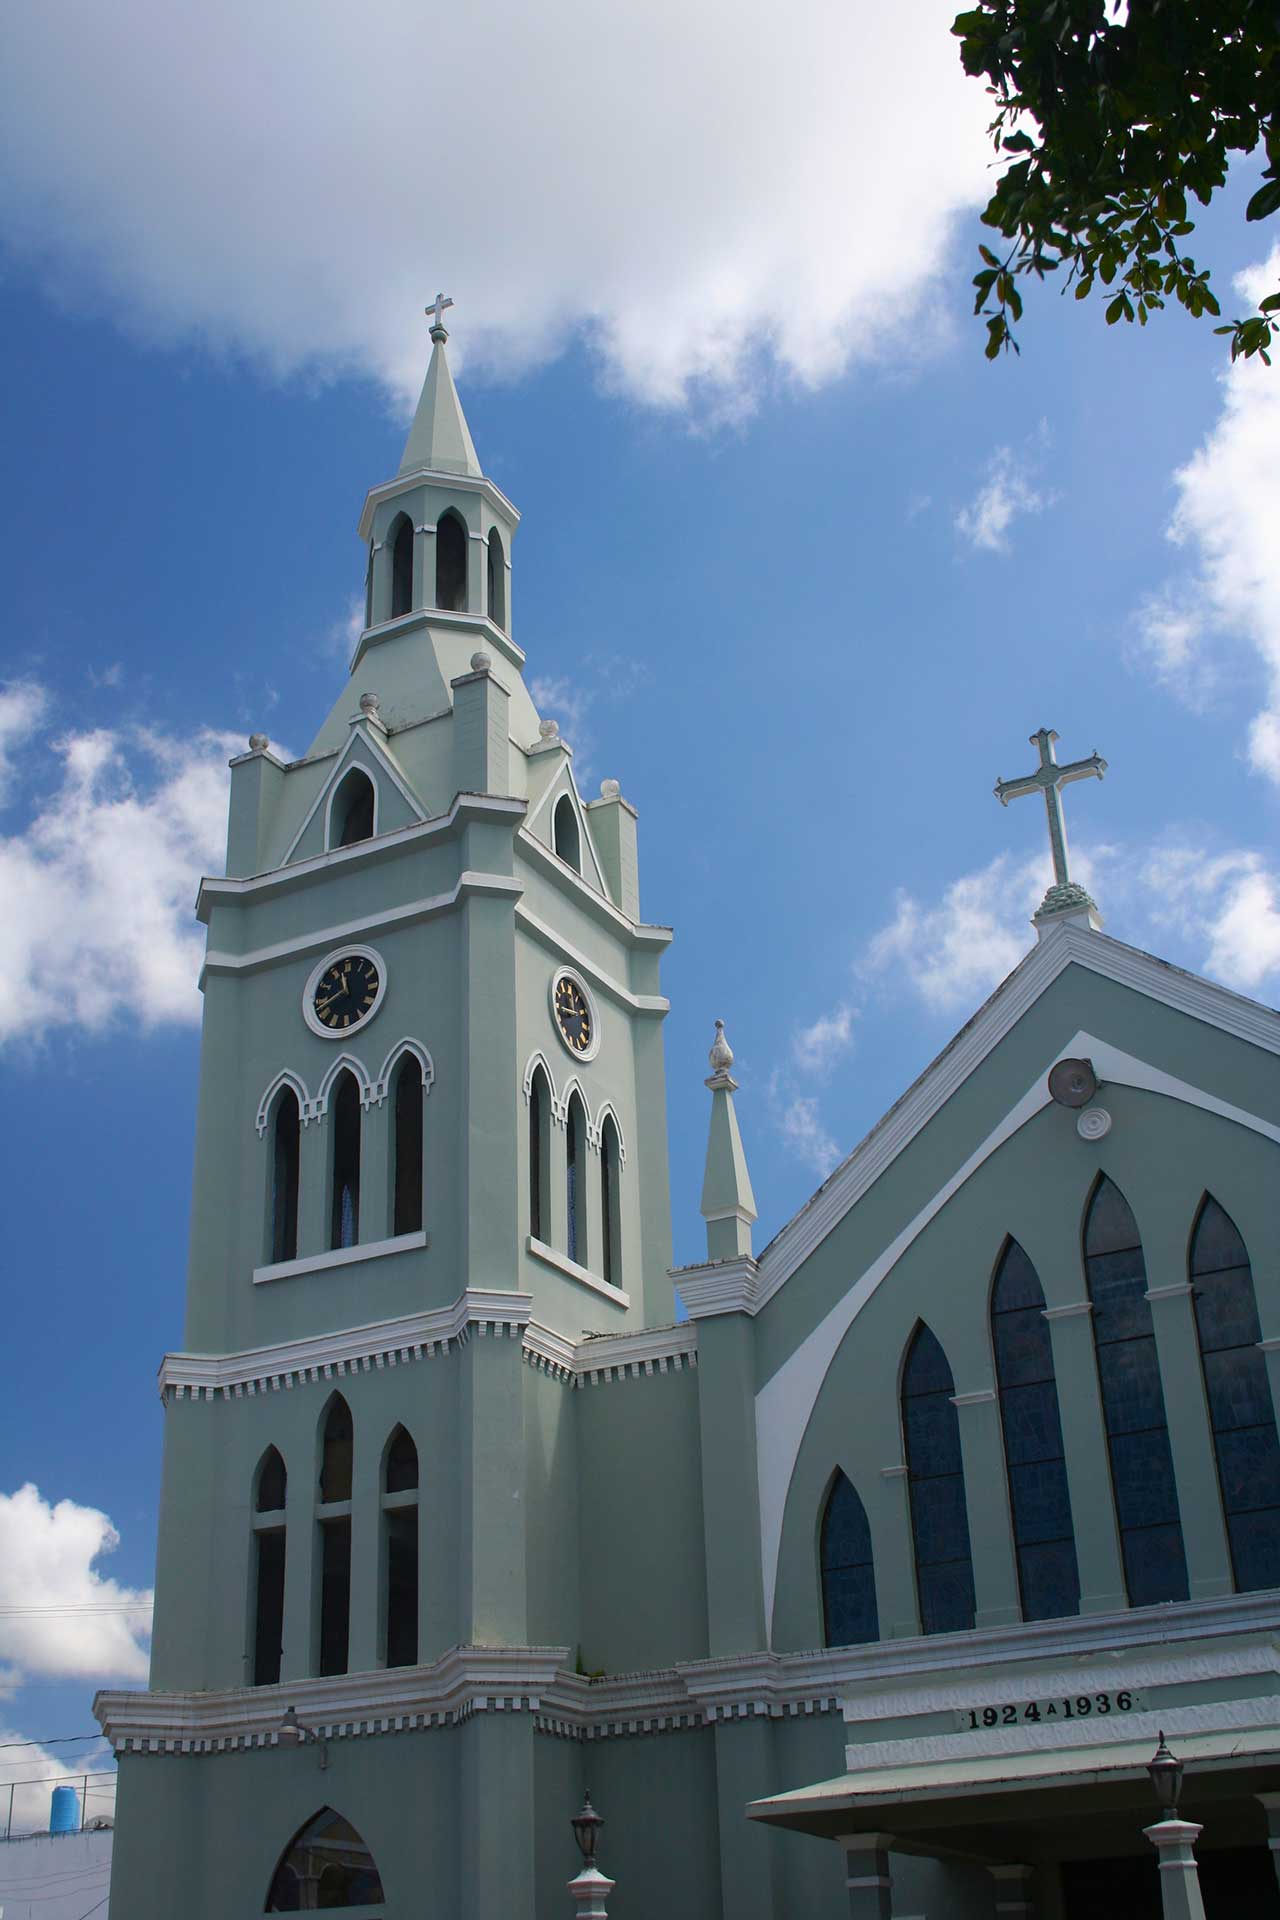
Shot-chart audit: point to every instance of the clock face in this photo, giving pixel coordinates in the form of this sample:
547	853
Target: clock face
574	1017
346	992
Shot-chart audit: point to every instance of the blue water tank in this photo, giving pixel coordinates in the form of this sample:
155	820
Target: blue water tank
64	1814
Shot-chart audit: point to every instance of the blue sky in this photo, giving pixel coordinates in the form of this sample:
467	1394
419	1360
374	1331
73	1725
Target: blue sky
797	566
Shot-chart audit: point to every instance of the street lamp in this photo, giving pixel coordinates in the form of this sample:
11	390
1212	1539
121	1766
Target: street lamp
292	1733
586	1827
590	1890
1166	1778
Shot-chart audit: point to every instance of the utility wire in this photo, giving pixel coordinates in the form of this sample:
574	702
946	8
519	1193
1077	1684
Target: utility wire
54	1740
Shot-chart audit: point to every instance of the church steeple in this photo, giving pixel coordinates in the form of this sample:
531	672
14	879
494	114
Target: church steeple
439	439
728	1203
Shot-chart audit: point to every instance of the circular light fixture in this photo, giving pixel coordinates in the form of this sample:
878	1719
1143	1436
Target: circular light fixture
1073	1083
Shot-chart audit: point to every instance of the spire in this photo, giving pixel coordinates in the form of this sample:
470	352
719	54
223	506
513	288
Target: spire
439	437
728	1204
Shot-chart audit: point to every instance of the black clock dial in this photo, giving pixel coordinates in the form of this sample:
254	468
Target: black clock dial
346	992
573	1015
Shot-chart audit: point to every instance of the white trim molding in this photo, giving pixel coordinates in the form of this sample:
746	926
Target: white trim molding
340	1257
285	1078
602	1358
486	884
583	1275
382	1085
345	1063
720	1286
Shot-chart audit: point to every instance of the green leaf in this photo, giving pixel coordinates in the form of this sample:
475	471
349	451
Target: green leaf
1271	304
1265	201
1115	310
989	257
1084	287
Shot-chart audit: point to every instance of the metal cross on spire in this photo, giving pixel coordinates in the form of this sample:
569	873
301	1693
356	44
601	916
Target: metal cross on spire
1049	779
437	308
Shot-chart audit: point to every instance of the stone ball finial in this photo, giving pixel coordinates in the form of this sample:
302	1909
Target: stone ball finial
548	729
721	1054
258	743
369	704
609	789
480	662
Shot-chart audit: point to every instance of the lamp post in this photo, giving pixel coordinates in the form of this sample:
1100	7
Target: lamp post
590	1890
292	1733
1173	1840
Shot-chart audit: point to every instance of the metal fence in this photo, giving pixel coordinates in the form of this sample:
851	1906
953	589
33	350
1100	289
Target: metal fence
95	1799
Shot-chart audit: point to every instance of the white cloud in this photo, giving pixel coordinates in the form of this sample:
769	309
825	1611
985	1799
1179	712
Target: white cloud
1006	492
706	193
804	1134
60	1617
1225	521
815	1049
22	707
954	952
97	889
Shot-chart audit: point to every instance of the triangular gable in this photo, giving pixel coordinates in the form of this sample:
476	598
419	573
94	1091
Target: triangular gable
365	747
541	814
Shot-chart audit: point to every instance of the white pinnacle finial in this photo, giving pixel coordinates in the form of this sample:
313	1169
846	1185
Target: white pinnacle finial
721	1054
438	329
549	729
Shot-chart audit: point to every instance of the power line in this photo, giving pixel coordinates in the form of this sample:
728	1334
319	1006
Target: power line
54	1740
79	1608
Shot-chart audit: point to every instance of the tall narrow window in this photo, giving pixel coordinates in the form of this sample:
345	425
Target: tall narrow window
568	843
1043	1535
935	1482
407	1208
402	569
351	816
575	1153
451	564
539	1155
497	578
268	1569
334	1517
344	1112
368	590
400	1549
610	1221
326	1864
1155	1565
1241	1412
284	1176
849	1613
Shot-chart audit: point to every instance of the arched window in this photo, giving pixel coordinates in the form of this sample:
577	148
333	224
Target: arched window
407	1123
1241	1412
575	1156
368	589
849	1613
935	1482
336	1451
568	843
285	1139
496	582
268	1568
1155	1565
451	563
326	1864
539	1155
344	1113
400	1550
352	814
610	1184
1043	1535
402	568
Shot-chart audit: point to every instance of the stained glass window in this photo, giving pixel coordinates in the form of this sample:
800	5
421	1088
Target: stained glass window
935	1481
284	1177
539	1153
1238	1391
575	1141
1146	1495
849	1614
344	1217
1040	1504
407	1210
326	1864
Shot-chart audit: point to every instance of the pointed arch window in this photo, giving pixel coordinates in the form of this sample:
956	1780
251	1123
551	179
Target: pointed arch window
368	589
849	1612
496	581
1039	1500
1146	1495
610	1196
1241	1411
351	817
407	1126
285	1151
402	568
568	841
539	1155
333	1515
344	1211
268	1552
575	1155
451	563
400	1550
326	1864
935	1484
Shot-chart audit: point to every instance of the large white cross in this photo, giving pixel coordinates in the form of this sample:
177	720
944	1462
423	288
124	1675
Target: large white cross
1049	779
437	308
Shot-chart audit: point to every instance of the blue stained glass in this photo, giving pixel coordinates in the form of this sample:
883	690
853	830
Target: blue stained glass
1217	1241
1238	1389
1117	1288
1023	1350
926	1370
935	1482
849	1610
941	1522
1155	1566
933	1432
1131	1395
1142	1469
1039	1499
1226	1314
1249	1466
1049	1580
1017	1283
1255	1549
1032	1430
1041	1502
946	1597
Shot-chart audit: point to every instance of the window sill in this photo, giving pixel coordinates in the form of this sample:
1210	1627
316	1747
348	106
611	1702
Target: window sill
548	1255
340	1257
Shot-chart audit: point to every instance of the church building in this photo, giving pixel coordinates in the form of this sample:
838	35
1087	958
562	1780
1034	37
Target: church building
871	1587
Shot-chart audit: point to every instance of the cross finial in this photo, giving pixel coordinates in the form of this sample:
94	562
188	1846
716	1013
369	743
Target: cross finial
438	329
1064	896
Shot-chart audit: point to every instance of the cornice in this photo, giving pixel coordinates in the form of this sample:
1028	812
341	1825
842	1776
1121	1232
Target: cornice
719	1286
478	624
601	1359
431	476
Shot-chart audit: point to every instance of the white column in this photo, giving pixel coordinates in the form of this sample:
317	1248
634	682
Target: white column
590	1890
1013	1891
1179	1880
867	1875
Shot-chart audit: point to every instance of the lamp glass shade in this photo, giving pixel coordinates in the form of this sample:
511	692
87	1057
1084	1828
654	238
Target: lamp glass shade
1166	1777
586	1826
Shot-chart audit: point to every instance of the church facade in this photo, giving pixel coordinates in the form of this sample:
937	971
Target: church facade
869	1587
